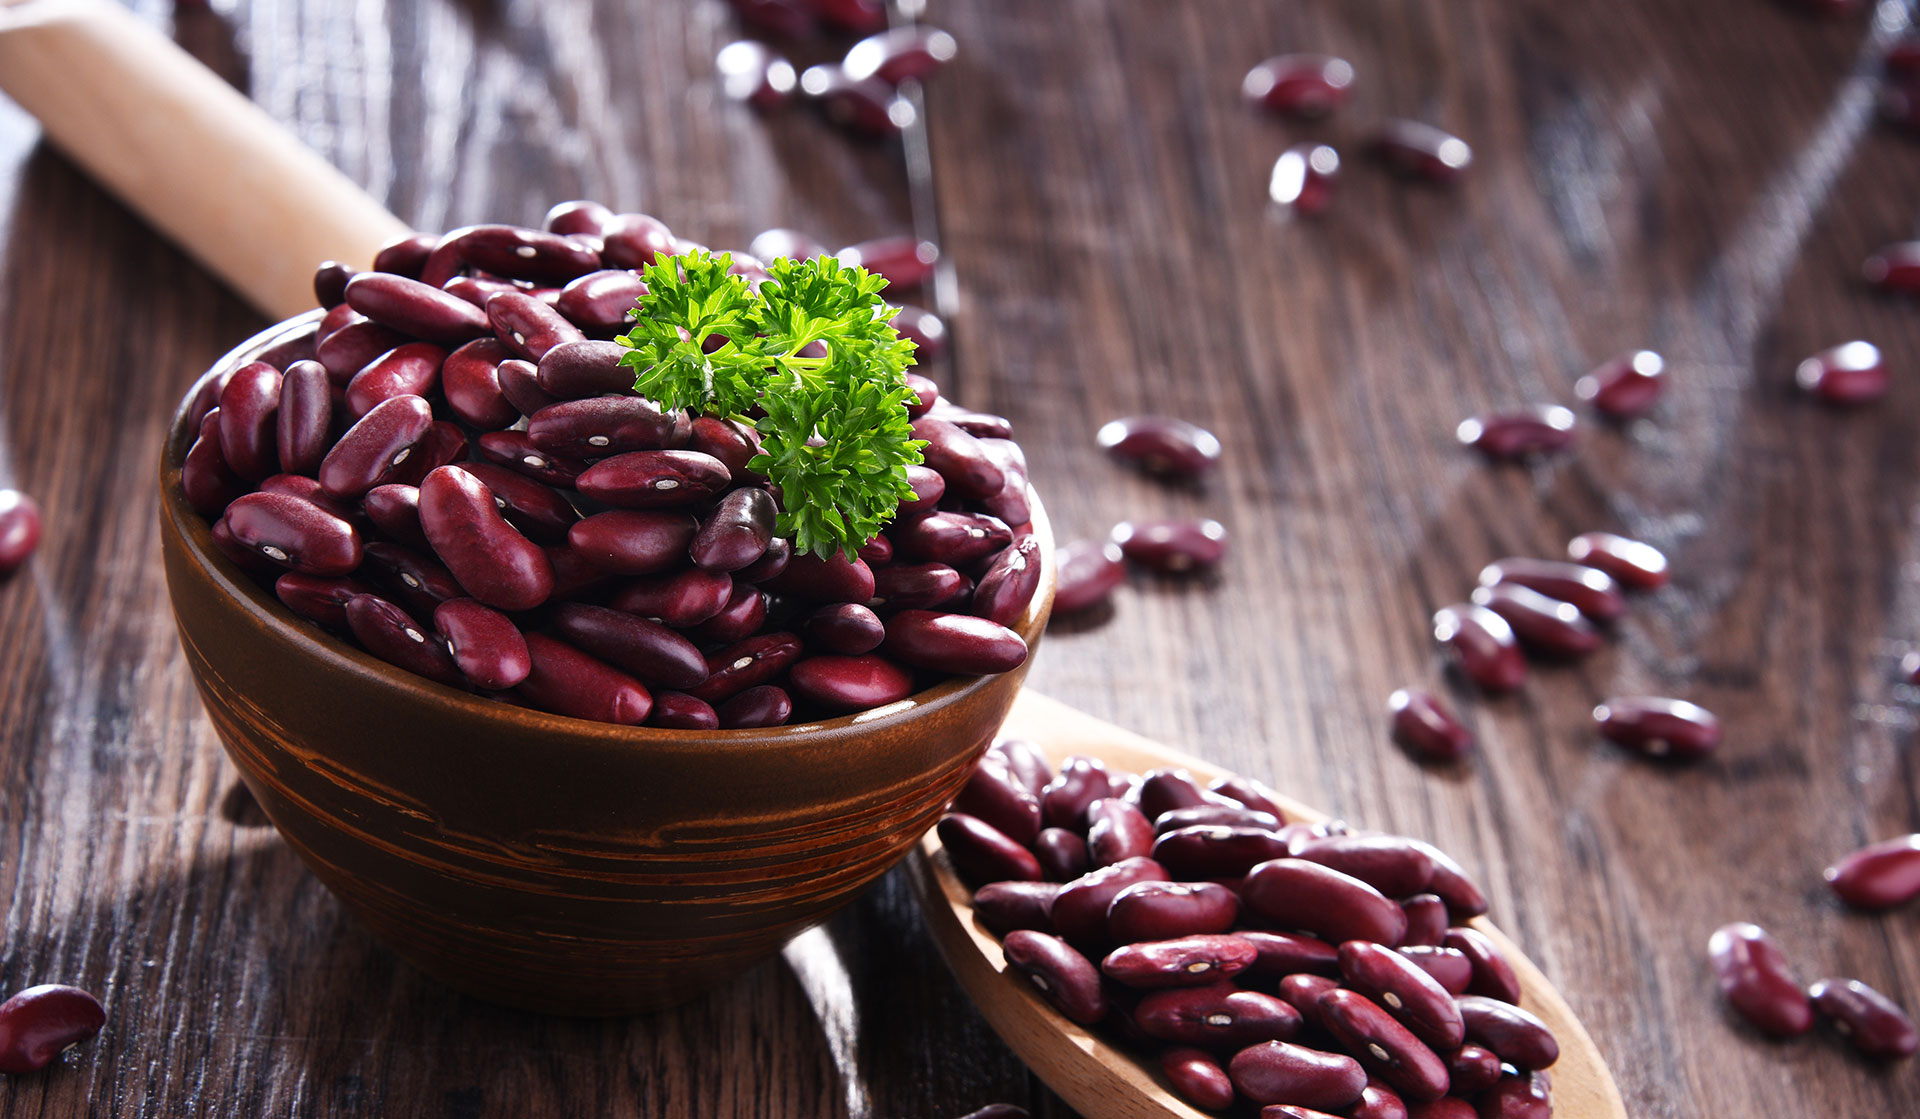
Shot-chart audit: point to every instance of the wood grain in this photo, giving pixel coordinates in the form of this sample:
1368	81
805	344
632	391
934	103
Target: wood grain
1701	178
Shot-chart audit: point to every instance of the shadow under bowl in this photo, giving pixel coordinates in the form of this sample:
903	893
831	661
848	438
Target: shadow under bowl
539	861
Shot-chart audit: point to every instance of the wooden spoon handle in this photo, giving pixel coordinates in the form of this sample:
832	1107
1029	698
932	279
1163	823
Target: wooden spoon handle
191	155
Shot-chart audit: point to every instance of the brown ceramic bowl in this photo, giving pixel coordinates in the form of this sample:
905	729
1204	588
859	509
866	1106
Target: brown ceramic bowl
546	862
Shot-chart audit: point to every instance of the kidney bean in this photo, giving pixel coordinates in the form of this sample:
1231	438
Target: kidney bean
1296	894
419	582
374	449
40	1023
412	369
1170	787
527	326
1214	815
1302	180
926	394
1197	1078
1292	1111
470	379
204	478
1630	562
1005	906
992	794
294	533
1277	1072
509	251
951	538
1483	644
1448	966
1116	831
1591	590
1062	854
519	383
1624	386
1081	781
1424	725
1011	580
318	598
1408	993
443	445
1159	911
1879	875
1283	954
1080	909
1517	1097
629	542
1895	267
347	349
953	643
679	711
1851	373
1418	150
579	216
635	241
566	681
1530	432
1493	976
598	302
1463	897
899	54
983	853
737	532
390	633
1187	961
1876	1026
751	72
1395	866
575	370
249	407
1025	762
653	479
1426	920
962	463
1754	976
476	289
832	579
1174	546
535	510
746	664
1160	445
303	417
486	647
517	452
330	283
1216	1015
241	556
904	261
1249	793
1514	1035
762	706
844	683
654	654
416	308
791	244
1302	991
928	488
1299	85
492	560
1471	1070
927	332
1377	1101
1546	626
1383	1046
1210	851
1657	727
1064	977
680	599
847	628
205	398
742	616
405	254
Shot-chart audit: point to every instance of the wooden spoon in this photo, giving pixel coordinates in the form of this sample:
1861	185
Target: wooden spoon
1085	1068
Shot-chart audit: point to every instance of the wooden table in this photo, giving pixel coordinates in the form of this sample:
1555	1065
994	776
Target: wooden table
1701	178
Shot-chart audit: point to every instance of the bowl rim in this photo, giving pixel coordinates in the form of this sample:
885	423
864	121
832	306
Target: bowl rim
271	614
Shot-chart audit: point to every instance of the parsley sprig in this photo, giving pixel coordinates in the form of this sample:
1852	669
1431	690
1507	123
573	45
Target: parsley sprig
834	435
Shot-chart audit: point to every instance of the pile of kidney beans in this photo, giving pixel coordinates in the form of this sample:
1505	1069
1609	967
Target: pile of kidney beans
1302	968
458	475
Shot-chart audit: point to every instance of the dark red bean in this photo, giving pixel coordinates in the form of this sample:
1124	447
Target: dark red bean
1012	503
1216	1015
527	326
1424	725
1011	580
1277	1072
489	557
1006	906
1160	445
1755	978
598	302
1283	954
1303	179
405	255
635	241
654	479
204	478
390	633
1851	373
1295	894
1493	976
485	645
962	463
238	554
1062	854
566	681
854	17
746	608
442	445
1625	386
536	510
628	542
983	853
306	489
1081	781
869	108
762	706
510	252
470	378
409	370
40	1023
679	711
1214	815
905	262
894	56
1187	961
918	586
1198	1078
928	488
1879	875
347	350
842	683
1589	589
1514	1035
1630	562
926	395
249	407
681	599
517	452
374	449
519	383
752	72
330	283
952	538
813	579
731	441
1080	910
1454	886
317	598
1149	911
1303	991
847	628
654	654
1393	865
1471	1070
1299	85
1658	727
1418	150
303	418
955	643
1426	920
419	582
1294	1111
294	533
992	794
1517	1097
412	307
1449	966
1249	793
927	332
1210	851
1377	1101
1895	268
1169	788
1876	1026
746	664
576	370
477	290
1538	430
1383	1046
1483	645
1063	976
1546	626
1414	998
876	551
1173	546
1117	831
579	216
1025	762
737	532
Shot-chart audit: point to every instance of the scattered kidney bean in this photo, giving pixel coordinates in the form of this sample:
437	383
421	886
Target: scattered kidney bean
577	216
1895	268
1173	546
894	56
1009	583
1296	894
1064	977
404	255
598	302
752	72
1625	386
843	683
847	628
1493	977
1249	793
1160	445
1544	625
1089	571
1870	1020
1879	875
1383	1046
1278	1072
1299	85
1850	373
905	262
1589	589
20	527
1754	976
528	326
1483	645
40	1023
918	586
1303	179
1197	1077
389	633
743	614
1081	781
1538	430
746	664
1424	725
1659	728
1637	565
1419	150
870	108
927	332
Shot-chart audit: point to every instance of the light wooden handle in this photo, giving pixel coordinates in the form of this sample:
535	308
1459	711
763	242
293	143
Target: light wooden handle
193	157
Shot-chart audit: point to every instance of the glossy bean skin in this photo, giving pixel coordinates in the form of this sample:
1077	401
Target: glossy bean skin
1299	85
1302	991
632	542
1417	150
746	664
958	458
953	643
1277	1072
1521	434
928	488
347	350
1248	793
1754	976
204	478
1284	954
1589	589
847	628
1453	885
1158	911
731	441
918	586
412	369
951	538
652	653
520	384
1513	1034
1493	976
1089	572
1426	727
761	706
1216	1015
1080	909
317	598
1876	1026
1169	788
1212	851
40	1023
1880	875
927	332
1187	961
1377	1101
1545	626
983	853
1197	1078
416	308
470	380
511	252
566	681
654	479
1161	445
1117	831
1657	727
813	579
527	326
841	683
443	445
1850	373
1483	645
576	216
374	449
901	53
1446	1107
241	556
1449	966
389	633
404	255
516	451
1294	1111
1081	781
1426	920
485	645
1062	854
635	241
598	302
1025	762
1394	866
1517	1097
477	289
1006	906
680	599
419	582
746	608
992	794
599	426
490	558
1173	546
295	534
679	711
574	370
1471	1070
1628	562
1215	815
737	532
1383	1046
905	261
536	510
303	418
1415	999
1625	386
1063	976
1295	894
249	408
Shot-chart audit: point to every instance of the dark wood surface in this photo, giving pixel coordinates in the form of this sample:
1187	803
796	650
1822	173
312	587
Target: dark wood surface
1699	178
